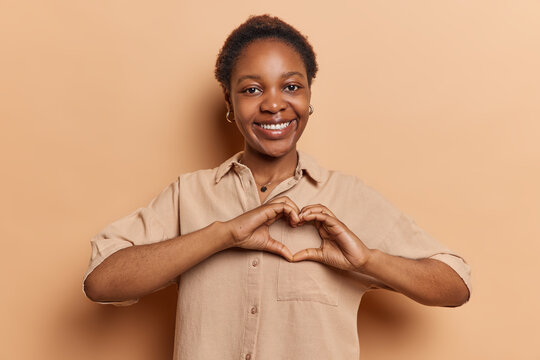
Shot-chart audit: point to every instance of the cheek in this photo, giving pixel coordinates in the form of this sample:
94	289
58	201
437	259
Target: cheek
301	106
244	114
245	109
301	101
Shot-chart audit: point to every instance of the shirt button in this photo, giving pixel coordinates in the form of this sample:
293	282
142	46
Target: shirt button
255	262
254	310
248	357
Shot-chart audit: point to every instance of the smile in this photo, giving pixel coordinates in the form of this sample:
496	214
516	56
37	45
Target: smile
275	126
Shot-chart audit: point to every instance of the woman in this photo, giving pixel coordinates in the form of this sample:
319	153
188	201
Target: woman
238	238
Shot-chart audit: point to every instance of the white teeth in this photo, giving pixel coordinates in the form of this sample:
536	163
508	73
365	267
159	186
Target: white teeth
275	126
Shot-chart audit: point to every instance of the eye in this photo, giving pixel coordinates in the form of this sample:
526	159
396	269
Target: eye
251	90
292	87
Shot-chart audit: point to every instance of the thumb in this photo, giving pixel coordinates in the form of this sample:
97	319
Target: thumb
278	248
314	254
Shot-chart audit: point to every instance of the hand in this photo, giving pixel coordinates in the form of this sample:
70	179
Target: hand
250	230
340	247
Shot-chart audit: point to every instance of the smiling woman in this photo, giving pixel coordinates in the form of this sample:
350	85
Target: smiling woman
269	97
264	269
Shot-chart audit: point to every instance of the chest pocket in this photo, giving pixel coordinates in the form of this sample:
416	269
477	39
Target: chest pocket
306	280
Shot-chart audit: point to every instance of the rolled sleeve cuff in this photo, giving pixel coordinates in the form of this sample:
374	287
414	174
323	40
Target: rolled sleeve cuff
458	265
99	254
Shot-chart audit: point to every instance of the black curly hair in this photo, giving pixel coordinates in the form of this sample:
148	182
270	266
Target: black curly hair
262	27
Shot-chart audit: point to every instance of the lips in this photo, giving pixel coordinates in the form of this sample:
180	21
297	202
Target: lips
279	126
274	130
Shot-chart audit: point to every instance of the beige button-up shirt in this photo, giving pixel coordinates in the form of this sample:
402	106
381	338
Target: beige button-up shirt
244	304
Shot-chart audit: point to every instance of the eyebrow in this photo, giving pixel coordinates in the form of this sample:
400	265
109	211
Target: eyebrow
241	78
291	73
257	77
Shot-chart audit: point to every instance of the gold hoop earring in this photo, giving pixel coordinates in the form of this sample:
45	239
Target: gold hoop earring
311	109
227	117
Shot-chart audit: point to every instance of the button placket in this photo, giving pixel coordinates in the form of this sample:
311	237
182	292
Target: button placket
281	188
254	291
250	193
255	278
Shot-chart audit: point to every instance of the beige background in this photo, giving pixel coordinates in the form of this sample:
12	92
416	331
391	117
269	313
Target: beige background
433	103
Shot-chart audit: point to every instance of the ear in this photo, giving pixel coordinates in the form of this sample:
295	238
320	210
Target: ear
228	102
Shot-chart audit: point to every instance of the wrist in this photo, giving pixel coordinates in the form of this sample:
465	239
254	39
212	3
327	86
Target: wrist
222	235
369	263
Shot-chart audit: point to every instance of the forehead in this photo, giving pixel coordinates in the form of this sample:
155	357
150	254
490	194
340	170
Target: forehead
268	56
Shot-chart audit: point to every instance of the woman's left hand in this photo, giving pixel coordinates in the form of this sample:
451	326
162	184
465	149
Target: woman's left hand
340	247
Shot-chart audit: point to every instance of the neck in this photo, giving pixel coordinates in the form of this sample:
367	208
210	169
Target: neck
266	169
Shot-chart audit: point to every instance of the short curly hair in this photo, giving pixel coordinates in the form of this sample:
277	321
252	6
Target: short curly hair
262	27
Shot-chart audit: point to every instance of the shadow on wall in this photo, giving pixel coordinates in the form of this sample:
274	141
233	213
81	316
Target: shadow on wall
141	331
214	139
388	320
224	137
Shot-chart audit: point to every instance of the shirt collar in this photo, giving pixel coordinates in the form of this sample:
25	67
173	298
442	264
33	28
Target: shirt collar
306	164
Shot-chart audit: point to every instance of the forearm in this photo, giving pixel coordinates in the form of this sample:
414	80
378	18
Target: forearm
427	281
139	270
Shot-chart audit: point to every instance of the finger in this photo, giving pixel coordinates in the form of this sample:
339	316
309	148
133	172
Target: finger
328	223
305	209
325	219
318	208
278	248
322	210
292	214
286	200
314	254
274	211
310	206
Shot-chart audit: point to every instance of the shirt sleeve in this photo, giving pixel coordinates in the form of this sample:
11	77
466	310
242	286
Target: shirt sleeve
156	222
406	239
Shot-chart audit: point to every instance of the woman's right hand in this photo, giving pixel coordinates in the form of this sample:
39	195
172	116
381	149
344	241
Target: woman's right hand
251	229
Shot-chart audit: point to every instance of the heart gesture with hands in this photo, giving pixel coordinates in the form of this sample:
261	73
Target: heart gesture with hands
340	247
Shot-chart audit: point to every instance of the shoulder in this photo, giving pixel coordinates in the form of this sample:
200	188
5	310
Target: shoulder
204	175
346	187
197	183
355	187
213	175
357	200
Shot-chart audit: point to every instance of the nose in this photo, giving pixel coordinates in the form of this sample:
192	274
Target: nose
273	102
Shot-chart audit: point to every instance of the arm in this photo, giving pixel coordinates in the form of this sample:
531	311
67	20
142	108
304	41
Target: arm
133	272
427	281
138	270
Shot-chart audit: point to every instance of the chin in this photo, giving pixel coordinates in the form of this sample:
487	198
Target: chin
277	152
